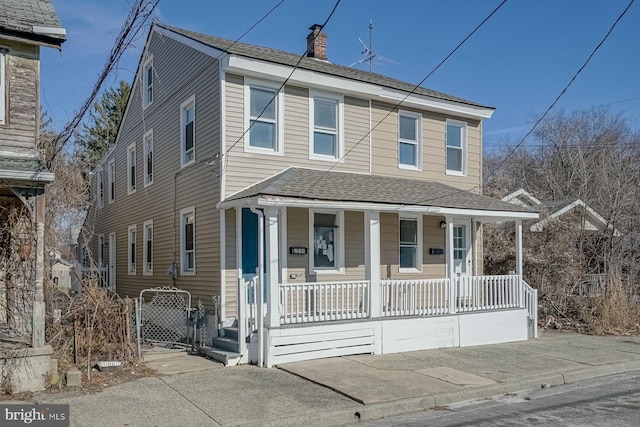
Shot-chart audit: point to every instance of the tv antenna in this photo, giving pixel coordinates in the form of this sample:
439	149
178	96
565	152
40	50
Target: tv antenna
368	55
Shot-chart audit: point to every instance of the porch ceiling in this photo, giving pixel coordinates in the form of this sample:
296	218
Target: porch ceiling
341	190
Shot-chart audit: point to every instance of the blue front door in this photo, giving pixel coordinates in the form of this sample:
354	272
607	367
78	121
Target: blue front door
250	249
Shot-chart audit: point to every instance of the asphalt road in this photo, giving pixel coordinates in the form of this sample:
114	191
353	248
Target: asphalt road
606	401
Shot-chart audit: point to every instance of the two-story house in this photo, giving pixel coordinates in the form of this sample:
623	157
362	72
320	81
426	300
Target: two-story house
25	26
354	198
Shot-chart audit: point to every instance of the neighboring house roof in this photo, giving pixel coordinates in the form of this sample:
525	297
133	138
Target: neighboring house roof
556	208
33	20
324	67
308	184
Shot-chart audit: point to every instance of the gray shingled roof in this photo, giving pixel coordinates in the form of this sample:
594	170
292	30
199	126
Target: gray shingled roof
350	187
18	17
290	59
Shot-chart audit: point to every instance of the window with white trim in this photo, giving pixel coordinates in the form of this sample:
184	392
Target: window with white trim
188	131
111	180
325	114
326	240
188	240
147	249
148	157
100	187
3	89
409	140
147	97
263	117
131	168
101	250
410	233
456	147
132	249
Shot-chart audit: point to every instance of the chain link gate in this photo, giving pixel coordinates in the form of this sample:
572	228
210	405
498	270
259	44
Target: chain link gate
163	317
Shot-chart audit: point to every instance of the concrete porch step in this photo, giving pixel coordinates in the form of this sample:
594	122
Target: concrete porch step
225	343
231	332
227	358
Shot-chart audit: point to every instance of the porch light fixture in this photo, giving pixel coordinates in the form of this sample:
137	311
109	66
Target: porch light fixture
443	224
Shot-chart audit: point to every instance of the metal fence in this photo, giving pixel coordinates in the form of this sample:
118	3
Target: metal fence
163	317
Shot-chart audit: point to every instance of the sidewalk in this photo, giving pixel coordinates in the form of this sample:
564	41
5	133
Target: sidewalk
195	391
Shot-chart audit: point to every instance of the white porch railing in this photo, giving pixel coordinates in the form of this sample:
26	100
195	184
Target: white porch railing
531	304
476	293
422	297
100	274
320	302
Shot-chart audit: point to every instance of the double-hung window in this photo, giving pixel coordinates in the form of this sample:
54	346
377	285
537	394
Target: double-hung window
326	238
132	249
101	251
456	147
188	131
3	88
263	118
148	82
148	158
410	244
147	249
188	240
100	188
325	112
409	140
131	168
111	177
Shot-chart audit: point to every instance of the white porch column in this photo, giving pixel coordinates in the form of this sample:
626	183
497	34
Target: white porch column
372	260
519	261
273	267
450	266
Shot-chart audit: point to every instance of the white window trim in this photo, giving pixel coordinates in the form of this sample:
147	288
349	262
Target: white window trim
261	84
147	271
419	250
148	135
339	125
132	149
463	126
339	255
418	141
191	101
147	64
131	267
101	250
111	179
3	90
100	187
184	212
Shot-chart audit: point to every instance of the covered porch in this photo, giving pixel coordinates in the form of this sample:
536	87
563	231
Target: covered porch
371	276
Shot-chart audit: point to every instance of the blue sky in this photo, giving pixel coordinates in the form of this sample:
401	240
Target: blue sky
517	62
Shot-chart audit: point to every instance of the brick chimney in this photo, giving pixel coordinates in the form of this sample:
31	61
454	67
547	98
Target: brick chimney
317	48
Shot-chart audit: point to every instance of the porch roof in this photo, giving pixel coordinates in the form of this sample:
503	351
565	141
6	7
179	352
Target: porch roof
314	188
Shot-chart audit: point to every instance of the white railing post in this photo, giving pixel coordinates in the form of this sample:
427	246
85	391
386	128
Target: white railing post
519	261
372	261
273	268
242	316
453	283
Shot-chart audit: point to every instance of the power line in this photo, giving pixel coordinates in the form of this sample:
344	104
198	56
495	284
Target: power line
563	91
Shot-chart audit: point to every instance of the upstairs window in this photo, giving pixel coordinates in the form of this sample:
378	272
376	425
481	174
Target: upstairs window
188	241
147	249
100	188
111	177
409	146
148	82
2	89
187	131
148	158
456	147
131	169
326	113
263	119
132	249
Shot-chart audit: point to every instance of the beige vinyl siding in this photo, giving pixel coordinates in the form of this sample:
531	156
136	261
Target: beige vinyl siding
22	99
240	166
231	267
433	266
385	148
174	188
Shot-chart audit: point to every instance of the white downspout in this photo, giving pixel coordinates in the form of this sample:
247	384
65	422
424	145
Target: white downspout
258	296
